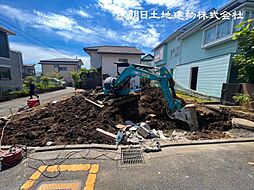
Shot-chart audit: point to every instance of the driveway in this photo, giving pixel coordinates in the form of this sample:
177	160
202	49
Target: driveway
44	98
219	166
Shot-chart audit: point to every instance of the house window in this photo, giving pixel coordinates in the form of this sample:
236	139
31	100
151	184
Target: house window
174	52
62	69
123	60
224	29
249	15
237	22
4	47
5	73
210	35
158	54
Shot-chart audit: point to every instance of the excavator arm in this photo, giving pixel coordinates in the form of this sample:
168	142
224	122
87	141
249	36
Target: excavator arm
120	85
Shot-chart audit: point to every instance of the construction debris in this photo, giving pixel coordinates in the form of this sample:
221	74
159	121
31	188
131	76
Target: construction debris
154	147
243	123
112	137
81	119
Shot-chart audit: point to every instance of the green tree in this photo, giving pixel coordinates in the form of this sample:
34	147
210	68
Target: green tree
27	80
54	75
75	75
45	81
245	58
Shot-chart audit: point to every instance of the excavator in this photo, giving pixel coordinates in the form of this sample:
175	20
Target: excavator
175	109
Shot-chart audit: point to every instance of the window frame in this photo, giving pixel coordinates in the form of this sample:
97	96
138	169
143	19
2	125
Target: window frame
9	70
122	60
60	68
159	54
217	40
175	52
225	38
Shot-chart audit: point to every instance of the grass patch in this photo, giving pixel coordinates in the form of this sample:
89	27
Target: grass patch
184	96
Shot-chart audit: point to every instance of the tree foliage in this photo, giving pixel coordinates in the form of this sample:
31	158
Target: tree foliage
45	81
77	76
54	75
245	58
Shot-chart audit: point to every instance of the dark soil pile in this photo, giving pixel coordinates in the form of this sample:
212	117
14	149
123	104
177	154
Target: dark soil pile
74	120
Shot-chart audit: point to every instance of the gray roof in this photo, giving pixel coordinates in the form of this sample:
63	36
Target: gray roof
148	57
29	65
61	61
6	31
115	50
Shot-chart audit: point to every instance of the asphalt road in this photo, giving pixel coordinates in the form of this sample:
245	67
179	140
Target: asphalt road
221	166
44	98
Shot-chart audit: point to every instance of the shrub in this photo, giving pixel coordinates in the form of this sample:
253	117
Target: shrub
245	58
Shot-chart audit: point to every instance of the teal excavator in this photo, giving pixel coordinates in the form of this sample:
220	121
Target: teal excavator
175	109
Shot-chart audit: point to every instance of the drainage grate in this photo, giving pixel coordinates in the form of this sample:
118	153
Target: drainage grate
132	156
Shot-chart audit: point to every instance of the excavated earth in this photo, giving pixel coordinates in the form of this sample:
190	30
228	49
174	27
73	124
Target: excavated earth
74	120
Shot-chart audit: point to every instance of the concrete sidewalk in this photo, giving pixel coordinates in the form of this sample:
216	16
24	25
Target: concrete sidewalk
220	166
44	98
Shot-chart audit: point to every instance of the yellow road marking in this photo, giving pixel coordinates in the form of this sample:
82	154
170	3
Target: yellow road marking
94	169
90	182
69	168
71	186
29	183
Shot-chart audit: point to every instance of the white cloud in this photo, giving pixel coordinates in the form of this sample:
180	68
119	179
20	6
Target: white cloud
171	4
79	12
54	21
14	13
149	39
119	9
32	54
71	30
83	14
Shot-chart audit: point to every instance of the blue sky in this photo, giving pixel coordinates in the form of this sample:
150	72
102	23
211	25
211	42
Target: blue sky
71	25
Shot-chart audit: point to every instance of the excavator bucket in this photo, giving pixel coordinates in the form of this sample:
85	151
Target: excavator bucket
186	114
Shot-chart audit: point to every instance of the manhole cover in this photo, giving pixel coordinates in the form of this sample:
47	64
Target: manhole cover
132	156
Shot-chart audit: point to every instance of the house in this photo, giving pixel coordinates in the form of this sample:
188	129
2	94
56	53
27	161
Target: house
147	60
200	54
104	57
63	66
28	70
10	64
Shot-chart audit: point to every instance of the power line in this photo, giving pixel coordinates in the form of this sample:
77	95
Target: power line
52	52
36	39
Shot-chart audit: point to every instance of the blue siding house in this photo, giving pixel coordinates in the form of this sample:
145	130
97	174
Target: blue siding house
200	53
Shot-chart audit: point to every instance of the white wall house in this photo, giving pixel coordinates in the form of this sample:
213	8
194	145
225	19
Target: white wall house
63	66
104	57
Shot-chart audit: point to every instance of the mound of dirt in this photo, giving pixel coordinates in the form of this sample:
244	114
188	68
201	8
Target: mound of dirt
74	120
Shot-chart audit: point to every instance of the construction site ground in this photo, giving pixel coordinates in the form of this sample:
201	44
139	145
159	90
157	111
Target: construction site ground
74	121
221	166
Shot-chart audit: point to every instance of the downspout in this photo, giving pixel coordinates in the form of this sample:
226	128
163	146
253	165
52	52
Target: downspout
21	67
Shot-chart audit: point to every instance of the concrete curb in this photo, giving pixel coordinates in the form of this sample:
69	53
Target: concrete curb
114	147
207	142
